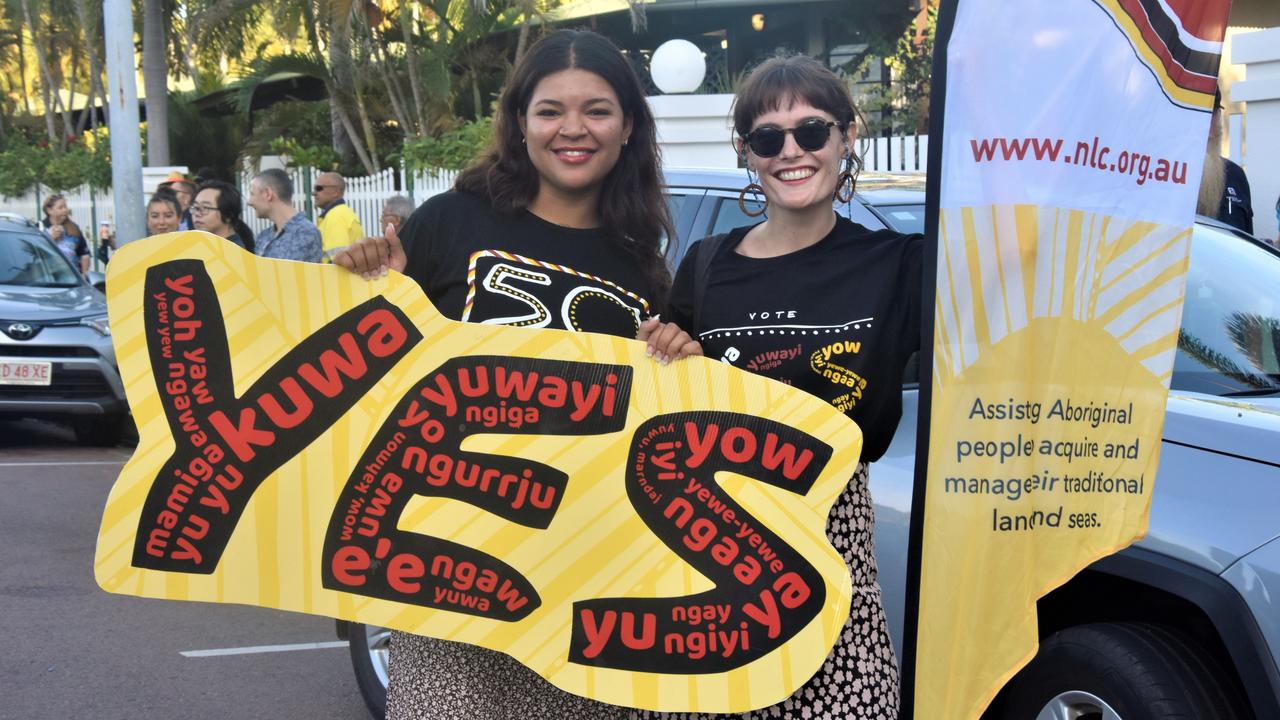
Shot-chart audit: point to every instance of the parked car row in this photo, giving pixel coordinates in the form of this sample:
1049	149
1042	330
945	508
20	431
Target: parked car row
56	357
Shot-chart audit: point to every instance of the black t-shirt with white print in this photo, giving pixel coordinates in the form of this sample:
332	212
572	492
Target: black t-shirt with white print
838	319
477	265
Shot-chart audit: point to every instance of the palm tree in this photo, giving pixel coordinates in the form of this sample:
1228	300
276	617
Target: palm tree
155	78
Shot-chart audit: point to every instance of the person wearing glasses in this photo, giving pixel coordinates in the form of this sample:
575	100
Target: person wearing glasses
846	319
339	226
217	209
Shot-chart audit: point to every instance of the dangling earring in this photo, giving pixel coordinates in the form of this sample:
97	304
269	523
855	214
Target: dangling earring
752	188
846	182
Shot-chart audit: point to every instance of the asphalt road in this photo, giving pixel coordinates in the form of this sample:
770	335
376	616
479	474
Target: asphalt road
71	650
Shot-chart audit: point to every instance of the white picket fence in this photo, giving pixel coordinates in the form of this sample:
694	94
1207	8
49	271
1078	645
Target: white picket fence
908	153
366	195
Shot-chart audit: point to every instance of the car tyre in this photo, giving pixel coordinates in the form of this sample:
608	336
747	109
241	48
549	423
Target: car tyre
370	646
1119	671
101	430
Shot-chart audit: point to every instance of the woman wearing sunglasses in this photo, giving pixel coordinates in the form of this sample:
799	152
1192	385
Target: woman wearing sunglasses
843	309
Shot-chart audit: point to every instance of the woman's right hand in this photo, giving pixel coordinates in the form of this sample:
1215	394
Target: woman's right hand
373	256
56	232
666	341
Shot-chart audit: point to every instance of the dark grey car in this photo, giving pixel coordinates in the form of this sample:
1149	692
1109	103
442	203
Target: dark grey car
56	357
1188	617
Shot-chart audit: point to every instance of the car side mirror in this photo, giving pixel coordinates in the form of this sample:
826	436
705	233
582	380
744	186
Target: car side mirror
98	280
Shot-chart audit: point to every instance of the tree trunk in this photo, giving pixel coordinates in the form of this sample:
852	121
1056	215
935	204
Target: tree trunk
22	71
155	77
89	30
344	140
394	92
411	59
48	91
351	133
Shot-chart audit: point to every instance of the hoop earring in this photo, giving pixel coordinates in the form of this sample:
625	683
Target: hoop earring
846	182
754	189
844	187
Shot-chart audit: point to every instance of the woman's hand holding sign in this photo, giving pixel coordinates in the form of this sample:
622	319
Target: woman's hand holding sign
373	256
666	341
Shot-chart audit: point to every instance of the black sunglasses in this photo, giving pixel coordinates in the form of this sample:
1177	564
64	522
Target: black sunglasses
810	135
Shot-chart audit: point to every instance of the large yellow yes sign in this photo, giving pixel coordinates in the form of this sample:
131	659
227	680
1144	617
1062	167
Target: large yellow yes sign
645	535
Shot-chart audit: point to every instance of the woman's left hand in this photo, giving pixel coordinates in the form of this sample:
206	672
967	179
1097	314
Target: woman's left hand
666	341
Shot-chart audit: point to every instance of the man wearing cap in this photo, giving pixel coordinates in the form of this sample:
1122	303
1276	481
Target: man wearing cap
185	191
1224	188
291	236
339	226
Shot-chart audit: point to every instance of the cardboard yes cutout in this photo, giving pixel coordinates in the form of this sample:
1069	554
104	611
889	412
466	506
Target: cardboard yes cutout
314	442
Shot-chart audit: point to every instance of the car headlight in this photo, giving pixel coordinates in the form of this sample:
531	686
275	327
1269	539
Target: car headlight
98	323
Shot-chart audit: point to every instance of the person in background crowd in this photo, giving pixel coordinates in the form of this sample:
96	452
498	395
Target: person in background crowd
185	190
217	209
66	235
339	226
1224	188
395	211
163	213
1276	242
205	174
291	235
571	186
106	242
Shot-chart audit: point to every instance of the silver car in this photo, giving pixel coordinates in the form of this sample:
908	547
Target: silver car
56	357
1185	623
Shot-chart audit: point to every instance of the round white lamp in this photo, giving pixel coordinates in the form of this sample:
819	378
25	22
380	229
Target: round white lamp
677	66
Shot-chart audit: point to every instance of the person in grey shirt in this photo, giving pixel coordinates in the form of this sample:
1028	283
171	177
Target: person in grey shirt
291	235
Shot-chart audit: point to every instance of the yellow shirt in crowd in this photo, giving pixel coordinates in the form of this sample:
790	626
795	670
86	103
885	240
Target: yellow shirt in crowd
339	227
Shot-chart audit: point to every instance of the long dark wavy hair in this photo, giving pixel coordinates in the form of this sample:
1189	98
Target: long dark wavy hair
230	207
633	212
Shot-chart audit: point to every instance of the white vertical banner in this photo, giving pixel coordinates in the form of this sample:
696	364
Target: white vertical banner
1072	140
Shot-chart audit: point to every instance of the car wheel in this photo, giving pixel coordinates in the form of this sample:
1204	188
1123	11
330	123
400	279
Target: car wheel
1119	671
100	430
370	647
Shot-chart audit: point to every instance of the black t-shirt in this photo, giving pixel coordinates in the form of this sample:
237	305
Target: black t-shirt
1236	208
838	319
478	265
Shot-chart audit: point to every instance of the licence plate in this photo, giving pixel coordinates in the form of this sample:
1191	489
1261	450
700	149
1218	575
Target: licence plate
13	372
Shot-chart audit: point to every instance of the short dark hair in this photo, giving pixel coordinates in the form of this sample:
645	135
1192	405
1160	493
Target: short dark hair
166	196
780	81
231	208
279	182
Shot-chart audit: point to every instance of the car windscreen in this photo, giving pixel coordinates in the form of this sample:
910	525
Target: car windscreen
31	260
903	218
1230	336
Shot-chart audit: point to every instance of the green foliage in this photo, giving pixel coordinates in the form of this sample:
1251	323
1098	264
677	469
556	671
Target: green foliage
307	124
451	150
24	163
198	140
321	157
907	97
21	164
74	167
